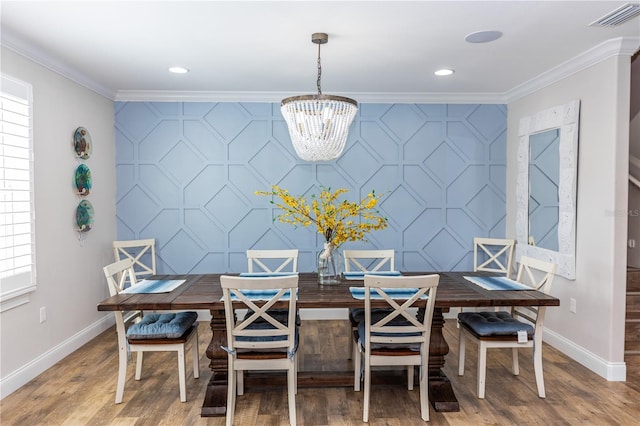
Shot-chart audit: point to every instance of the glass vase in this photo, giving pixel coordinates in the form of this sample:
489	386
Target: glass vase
329	265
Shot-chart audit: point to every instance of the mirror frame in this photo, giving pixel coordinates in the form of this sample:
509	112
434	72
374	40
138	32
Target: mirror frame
565	118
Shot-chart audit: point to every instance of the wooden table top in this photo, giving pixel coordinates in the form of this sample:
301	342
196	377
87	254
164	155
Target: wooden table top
204	292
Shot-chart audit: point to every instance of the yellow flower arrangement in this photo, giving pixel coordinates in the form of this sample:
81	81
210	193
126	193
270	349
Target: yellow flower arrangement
335	219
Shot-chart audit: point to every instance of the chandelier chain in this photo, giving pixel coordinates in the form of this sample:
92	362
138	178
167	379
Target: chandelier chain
319	72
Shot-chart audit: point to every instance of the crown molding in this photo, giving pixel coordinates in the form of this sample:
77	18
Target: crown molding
11	42
621	46
276	97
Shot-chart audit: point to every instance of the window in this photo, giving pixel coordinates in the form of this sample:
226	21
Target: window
17	219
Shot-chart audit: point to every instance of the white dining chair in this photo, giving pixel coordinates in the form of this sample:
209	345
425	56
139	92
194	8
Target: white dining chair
365	261
260	341
151	332
520	328
397	337
493	255
270	261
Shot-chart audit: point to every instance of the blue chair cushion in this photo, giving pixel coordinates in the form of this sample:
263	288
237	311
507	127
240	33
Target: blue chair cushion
494	323
162	326
377	346
356	315
281	315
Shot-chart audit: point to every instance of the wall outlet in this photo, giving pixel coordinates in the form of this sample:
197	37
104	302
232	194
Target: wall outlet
43	314
572	305
632	243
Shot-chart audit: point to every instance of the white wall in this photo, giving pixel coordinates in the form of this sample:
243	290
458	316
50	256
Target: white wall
633	253
69	275
594	335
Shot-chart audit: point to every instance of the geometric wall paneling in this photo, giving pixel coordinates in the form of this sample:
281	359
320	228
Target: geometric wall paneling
444	249
174	250
377	141
402	120
187	172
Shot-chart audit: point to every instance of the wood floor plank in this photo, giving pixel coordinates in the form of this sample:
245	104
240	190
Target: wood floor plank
80	390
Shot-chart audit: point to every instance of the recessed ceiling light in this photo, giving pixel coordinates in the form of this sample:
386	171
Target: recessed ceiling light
444	72
483	36
178	70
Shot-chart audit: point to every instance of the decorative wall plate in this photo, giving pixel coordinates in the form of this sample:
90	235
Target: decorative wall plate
82	143
84	216
83	179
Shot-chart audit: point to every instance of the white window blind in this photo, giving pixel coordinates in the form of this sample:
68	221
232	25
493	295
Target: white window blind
17	218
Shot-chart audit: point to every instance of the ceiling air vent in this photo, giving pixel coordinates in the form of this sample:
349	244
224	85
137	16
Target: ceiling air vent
618	16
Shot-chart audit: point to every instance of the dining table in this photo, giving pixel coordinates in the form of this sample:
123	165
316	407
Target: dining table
203	292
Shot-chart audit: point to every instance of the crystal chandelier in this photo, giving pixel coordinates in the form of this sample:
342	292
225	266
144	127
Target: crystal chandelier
318	124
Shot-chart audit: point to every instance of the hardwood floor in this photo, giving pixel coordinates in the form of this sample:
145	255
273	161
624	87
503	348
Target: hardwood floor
80	390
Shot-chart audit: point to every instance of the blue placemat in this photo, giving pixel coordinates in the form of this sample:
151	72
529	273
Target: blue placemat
153	286
497	283
263	294
267	274
359	275
394	293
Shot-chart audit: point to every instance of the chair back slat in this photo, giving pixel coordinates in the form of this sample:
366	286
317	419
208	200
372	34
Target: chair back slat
369	260
142	254
536	273
493	255
119	274
272	260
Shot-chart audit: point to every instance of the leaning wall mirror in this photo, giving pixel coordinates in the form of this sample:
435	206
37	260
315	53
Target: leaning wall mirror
546	186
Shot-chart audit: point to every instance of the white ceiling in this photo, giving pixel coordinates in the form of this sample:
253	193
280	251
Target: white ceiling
262	50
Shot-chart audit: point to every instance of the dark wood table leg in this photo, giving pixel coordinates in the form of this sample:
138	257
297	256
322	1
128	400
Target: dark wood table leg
215	400
440	391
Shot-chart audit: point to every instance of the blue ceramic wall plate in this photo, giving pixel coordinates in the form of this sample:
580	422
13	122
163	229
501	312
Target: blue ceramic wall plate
82	179
82	143
84	216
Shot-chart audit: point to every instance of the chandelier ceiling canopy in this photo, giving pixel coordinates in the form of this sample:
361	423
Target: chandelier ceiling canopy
318	124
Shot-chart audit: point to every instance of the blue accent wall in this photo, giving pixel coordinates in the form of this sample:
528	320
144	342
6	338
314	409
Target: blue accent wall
187	173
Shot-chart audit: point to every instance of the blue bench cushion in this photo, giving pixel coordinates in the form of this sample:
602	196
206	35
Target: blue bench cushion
494	323
162	326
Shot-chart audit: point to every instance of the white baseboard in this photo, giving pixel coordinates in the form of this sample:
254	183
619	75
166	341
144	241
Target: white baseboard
20	377
612	371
